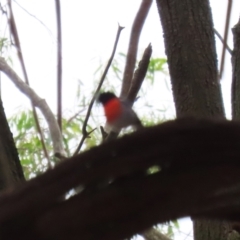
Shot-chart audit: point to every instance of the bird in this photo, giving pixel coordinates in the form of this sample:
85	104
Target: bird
119	113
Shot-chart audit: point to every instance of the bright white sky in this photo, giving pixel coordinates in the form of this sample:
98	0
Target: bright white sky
89	29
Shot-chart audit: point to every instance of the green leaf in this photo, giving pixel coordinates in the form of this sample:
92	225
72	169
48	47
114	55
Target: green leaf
176	224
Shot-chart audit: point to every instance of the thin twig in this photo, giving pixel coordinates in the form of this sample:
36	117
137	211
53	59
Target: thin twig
229	9
222	40
33	16
74	116
14	33
2	9
85	134
133	46
104	134
59	64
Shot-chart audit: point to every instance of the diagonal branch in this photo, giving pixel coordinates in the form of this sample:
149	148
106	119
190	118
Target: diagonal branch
139	74
85	134
132	82
14	32
222	40
133	46
228	15
37	102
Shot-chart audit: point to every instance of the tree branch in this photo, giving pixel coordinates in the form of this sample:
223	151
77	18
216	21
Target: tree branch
222	40
228	15
37	102
14	33
236	72
85	134
133	46
139	75
59	64
198	158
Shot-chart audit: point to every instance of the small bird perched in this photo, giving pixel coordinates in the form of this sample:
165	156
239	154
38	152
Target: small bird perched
119	113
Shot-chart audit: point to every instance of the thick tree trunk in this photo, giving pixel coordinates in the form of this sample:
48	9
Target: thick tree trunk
190	49
214	230
235	235
236	73
10	167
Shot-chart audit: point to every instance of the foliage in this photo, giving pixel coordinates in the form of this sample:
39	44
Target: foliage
156	65
28	142
169	227
5	47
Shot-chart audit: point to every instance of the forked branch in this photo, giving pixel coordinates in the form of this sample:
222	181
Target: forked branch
133	46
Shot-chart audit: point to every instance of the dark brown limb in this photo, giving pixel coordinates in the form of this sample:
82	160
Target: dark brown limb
133	46
139	75
188	27
236	72
192	60
199	177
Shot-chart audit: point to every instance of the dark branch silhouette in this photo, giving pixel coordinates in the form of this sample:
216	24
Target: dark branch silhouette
139	75
222	40
199	177
235	69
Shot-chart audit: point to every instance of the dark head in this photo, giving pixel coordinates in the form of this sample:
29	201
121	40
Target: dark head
105	97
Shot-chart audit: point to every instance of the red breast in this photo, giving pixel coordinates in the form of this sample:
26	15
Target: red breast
113	110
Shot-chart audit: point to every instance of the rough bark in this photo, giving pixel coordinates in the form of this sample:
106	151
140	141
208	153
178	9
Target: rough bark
192	60
10	167
210	230
236	72
234	228
209	174
190	49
